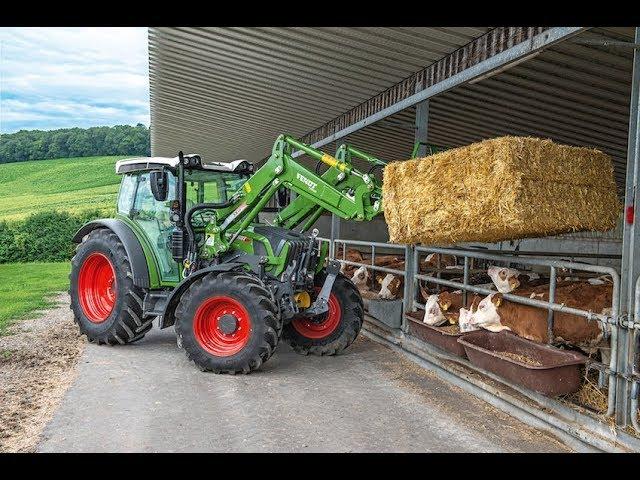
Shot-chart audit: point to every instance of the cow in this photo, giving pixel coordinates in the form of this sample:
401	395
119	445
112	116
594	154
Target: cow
360	277
352	255
391	287
507	280
446	307
433	313
495	313
430	262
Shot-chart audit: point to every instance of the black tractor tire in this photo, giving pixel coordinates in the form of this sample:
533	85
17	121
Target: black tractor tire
228	322
334	331
113	318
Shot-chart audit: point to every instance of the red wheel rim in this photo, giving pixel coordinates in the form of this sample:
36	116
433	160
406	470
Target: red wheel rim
97	287
306	327
209	329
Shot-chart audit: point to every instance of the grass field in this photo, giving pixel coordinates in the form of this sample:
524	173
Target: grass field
71	184
25	287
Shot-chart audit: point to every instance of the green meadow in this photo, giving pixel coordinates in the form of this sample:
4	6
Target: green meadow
66	184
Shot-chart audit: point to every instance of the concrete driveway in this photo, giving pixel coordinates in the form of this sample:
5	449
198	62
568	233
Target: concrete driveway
147	397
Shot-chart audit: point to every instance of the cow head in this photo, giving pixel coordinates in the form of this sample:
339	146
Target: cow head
390	286
505	279
360	277
432	313
445	300
431	261
486	316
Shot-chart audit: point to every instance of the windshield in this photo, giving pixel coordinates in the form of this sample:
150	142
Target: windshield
212	187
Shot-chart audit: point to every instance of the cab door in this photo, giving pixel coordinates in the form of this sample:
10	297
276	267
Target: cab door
152	217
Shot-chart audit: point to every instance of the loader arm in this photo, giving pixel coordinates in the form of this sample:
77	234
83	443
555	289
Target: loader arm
358	196
305	209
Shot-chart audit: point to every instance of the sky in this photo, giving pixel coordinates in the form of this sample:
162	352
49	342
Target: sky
59	77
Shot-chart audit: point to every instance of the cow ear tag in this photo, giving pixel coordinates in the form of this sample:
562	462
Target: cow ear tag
498	301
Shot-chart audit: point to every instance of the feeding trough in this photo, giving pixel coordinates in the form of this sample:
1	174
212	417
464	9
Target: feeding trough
539	367
388	312
445	338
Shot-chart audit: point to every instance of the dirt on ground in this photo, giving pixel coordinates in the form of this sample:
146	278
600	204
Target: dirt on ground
37	365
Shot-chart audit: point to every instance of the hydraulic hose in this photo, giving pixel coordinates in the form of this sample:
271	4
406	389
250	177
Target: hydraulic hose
194	209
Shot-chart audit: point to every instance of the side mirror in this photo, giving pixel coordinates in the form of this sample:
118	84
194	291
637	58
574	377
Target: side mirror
159	184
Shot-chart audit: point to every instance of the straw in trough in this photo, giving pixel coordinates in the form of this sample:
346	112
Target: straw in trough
500	189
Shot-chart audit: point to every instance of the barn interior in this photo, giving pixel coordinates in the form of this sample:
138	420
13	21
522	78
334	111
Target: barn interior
227	93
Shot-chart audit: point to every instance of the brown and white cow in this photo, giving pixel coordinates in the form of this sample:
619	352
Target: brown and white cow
447	307
352	255
495	313
360	277
392	285
507	280
430	262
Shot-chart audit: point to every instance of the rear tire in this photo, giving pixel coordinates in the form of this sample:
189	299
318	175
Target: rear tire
228	323
107	306
334	331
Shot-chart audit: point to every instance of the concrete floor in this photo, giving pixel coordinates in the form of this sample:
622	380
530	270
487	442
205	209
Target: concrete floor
147	397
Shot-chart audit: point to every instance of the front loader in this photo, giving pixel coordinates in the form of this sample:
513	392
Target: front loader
187	245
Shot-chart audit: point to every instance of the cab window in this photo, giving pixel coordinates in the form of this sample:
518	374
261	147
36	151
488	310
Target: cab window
127	193
212	187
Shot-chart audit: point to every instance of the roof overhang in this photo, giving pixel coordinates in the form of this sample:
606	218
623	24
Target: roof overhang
230	92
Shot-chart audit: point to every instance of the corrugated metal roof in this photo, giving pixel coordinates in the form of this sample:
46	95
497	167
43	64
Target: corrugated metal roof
228	92
572	93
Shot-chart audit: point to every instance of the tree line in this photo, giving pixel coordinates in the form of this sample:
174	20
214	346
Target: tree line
74	142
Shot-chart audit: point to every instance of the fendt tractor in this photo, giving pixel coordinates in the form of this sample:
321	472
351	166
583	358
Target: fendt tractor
187	246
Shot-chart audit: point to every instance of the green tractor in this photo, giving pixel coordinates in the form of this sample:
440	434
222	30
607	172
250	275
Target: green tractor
187	246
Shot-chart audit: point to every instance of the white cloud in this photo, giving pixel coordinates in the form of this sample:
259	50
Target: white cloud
62	77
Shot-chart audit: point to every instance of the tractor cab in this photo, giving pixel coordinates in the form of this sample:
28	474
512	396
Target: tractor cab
141	205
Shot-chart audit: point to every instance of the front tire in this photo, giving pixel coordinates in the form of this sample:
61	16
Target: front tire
333	331
107	306
228	323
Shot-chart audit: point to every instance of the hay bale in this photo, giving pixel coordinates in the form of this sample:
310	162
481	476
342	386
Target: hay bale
500	189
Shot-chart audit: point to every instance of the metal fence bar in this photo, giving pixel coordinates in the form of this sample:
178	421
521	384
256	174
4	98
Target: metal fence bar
635	388
411	268
524	261
531	253
465	281
395	246
374	267
552	299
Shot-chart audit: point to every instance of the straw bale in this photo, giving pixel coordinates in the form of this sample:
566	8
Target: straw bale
500	189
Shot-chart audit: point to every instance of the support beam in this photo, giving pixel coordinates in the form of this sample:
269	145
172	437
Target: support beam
630	242
422	128
439	78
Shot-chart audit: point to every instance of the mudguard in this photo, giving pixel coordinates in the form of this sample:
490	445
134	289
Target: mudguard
168	318
130	242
